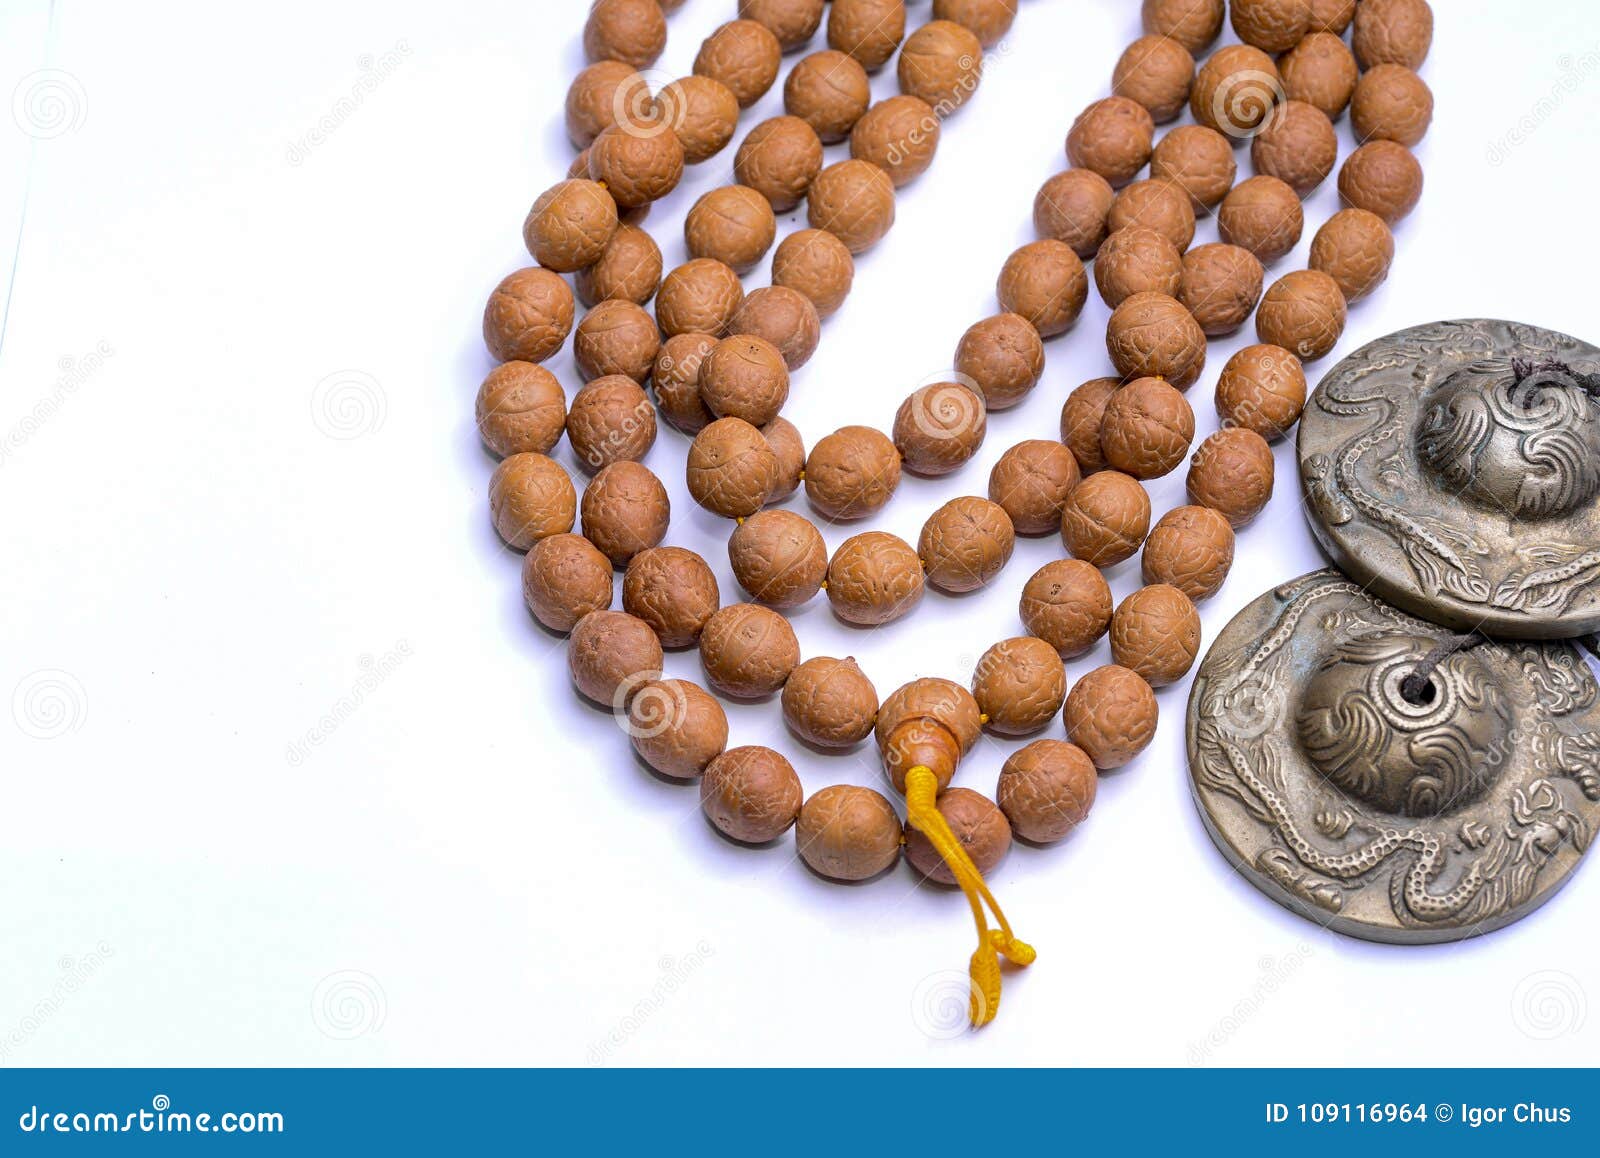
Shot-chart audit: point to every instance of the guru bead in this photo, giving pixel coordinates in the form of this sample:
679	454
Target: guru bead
830	702
1106	518
751	794
521	408
1111	714
1019	684
625	511
1155	632
608	653
874	578
1073	207
1232	473
528	317
563	579
1046	789
530	498
1031	483
944	701
966	543
851	473
731	469
1190	548
848	833
978	824
698	297
748	651
677	727
1146	429
672	590
1067	603
778	557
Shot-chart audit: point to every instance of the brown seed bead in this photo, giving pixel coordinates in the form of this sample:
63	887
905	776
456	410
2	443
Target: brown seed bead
1192	23
778	557
628	270
873	578
1190	548
1393	32
830	703
1151	335
939	427
790	450
570	225
1321	72
848	833
778	160
699	297
1297	145
1047	789
966	543
988	20
731	470
563	579
1080	422
978	824
1221	286
625	511
610	655
1158	205
676	378
521	408
1271	25
616	337
528	317
702	112
1003	357
1262	388
1198	160
1147	428
1355	248
941	63
1074	207
817	264
1134	261
1113	137
867	30
793	22
1381	177
1106	518
632	31
751	794
1262	215
1019	685
851	473
1303	311
899	135
744	377
733	225
743	55
854	201
1232	474
672	590
1155	632
1067	603
943	701
1332	16
530	498
1234	91
785	318
611	420
1111	714
637	166
677	727
1156	71
1031	482
829	91
595	96
748	650
1045	283
1391	103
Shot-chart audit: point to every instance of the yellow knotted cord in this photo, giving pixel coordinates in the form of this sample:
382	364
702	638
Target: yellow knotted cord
922	791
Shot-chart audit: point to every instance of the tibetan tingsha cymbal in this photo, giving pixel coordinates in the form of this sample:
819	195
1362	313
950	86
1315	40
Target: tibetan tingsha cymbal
1455	469
1396	809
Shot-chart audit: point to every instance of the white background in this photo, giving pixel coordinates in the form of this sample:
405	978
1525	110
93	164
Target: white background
205	552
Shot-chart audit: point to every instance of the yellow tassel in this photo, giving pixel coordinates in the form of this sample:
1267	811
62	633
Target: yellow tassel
922	792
